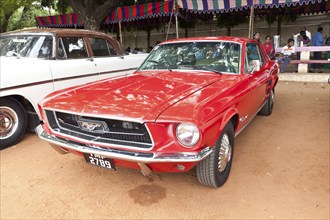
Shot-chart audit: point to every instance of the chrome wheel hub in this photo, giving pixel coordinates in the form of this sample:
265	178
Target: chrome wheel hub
8	122
224	153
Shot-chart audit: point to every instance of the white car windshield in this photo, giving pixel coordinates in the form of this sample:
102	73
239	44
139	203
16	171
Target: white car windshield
195	55
27	46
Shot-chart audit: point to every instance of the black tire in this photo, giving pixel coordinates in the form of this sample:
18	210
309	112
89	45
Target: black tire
267	109
12	122
209	172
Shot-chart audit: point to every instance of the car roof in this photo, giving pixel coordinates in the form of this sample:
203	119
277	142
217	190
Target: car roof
218	38
55	31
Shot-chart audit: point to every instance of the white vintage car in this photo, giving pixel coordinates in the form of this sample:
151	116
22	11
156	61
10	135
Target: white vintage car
35	62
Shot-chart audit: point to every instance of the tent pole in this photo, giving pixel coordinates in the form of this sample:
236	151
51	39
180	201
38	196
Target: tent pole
251	22
169	25
120	34
176	27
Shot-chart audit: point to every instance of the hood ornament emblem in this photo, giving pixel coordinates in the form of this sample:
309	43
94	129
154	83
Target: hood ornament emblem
92	126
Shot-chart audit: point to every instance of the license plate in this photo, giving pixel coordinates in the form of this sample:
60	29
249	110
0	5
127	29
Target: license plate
100	161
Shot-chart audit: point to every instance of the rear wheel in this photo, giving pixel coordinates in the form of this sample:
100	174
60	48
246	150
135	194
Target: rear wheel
267	109
12	122
214	170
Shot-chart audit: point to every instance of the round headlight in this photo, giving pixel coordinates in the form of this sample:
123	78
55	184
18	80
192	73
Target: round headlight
187	133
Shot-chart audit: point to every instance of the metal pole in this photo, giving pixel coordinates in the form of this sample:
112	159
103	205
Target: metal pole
169	25
120	35
176	26
251	22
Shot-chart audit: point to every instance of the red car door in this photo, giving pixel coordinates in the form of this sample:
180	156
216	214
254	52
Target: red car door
260	75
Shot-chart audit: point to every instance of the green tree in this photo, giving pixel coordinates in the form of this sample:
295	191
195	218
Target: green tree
8	8
61	6
92	12
25	17
20	14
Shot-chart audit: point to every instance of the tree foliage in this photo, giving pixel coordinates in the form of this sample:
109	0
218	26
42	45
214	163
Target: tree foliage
7	9
92	12
20	14
25	17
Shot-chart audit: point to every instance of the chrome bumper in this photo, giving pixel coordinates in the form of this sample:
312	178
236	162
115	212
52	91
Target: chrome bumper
139	157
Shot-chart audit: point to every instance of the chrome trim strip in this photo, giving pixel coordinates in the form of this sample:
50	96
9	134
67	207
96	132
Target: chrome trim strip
122	155
106	116
238	132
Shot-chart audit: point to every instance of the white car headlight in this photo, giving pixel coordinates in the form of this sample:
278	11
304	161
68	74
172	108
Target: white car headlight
187	133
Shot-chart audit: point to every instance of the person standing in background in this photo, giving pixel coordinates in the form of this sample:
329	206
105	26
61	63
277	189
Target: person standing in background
317	40
268	46
303	41
308	34
256	36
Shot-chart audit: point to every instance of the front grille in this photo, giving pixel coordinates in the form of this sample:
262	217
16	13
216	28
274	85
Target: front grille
109	131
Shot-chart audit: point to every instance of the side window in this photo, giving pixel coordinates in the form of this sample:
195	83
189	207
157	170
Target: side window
102	48
46	50
72	48
253	57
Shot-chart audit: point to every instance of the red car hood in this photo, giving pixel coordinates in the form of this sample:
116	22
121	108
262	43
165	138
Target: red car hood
140	97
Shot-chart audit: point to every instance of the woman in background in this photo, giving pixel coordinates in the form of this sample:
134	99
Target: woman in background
268	46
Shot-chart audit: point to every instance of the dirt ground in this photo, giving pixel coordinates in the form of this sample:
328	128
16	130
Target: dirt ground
280	171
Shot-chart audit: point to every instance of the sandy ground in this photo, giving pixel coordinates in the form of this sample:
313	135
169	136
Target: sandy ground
280	171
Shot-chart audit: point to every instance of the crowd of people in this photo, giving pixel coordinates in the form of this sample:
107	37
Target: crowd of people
304	38
136	50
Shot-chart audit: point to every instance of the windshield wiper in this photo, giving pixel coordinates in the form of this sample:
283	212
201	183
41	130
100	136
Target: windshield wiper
210	69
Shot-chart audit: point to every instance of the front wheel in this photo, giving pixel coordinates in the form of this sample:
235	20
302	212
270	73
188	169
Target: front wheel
267	109
214	170
12	122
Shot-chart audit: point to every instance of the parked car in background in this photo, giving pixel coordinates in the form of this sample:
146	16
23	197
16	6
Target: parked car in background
35	62
181	109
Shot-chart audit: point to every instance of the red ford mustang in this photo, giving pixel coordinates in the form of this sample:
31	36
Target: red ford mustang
181	109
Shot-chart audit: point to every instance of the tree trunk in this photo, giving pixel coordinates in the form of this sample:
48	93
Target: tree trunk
92	12
4	25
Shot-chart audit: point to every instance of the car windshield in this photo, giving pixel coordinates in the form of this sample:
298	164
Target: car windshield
214	56
27	46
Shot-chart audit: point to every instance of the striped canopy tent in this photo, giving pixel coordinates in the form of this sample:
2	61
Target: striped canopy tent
139	12
70	20
226	6
221	6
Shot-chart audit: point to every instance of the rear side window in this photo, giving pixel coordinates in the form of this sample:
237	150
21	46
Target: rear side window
102	48
72	48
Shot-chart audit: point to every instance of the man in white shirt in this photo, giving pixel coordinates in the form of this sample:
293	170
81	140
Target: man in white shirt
287	52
